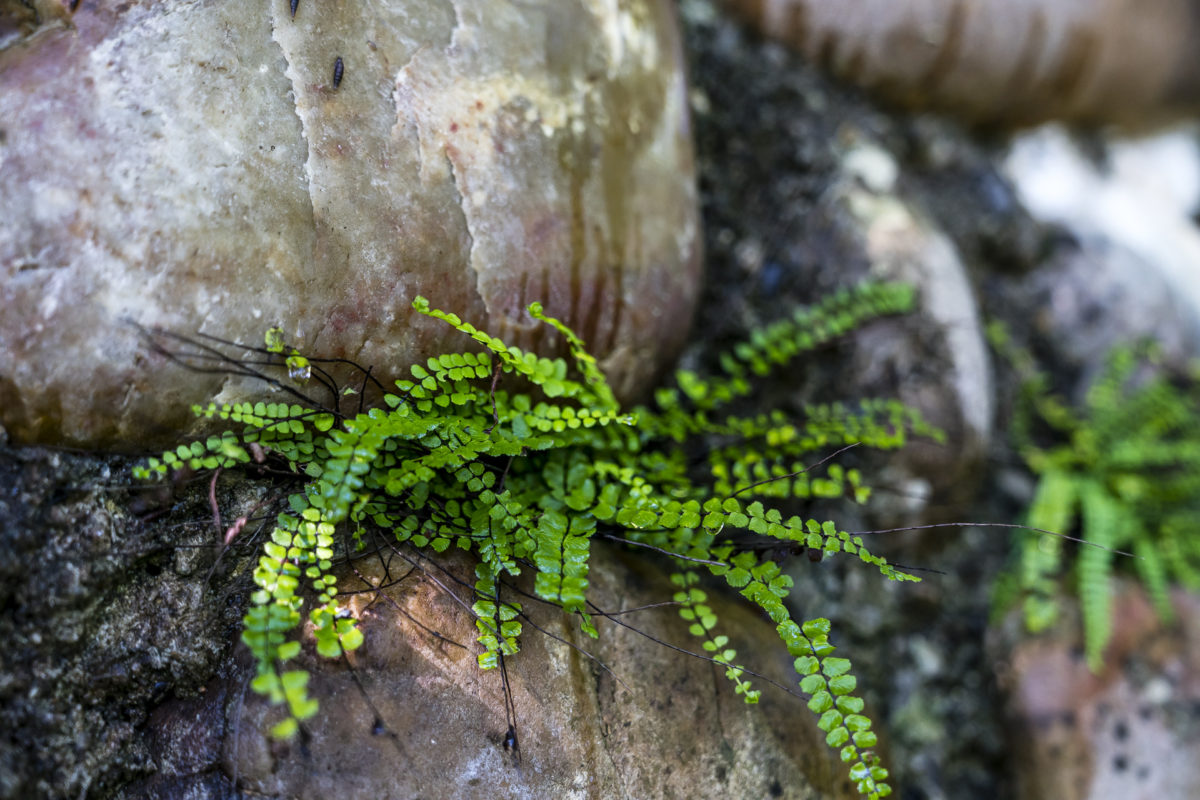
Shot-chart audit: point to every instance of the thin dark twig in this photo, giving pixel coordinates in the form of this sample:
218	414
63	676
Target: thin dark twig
235	529
612	538
832	455
570	644
573	646
377	722
504	475
907	568
311	359
243	366
326	379
511	739
362	389
492	394
237	728
647	607
437	582
233	366
373	588
995	525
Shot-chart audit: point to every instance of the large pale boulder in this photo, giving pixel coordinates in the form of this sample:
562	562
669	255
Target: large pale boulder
195	166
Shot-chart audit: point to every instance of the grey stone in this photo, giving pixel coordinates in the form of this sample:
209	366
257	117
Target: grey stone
784	155
1128	270
99	628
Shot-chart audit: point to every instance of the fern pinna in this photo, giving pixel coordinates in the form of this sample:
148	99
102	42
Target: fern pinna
526	480
1126	467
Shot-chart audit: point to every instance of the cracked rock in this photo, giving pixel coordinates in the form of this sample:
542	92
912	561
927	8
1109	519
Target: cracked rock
193	167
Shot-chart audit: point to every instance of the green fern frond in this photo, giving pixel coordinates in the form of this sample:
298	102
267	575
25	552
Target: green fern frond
831	685
1101	527
778	343
1152	568
452	459
1128	470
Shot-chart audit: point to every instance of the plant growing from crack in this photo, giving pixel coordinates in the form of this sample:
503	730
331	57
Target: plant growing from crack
528	480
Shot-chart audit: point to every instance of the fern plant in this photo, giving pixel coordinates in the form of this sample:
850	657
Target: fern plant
1124	470
526	480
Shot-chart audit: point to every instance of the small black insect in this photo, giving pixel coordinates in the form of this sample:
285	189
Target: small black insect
74	5
511	744
337	72
295	4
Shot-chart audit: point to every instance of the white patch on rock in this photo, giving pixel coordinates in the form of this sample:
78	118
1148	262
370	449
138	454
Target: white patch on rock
1138	206
873	166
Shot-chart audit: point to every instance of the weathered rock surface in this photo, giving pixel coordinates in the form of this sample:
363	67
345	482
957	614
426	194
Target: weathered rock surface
636	720
1075	243
192	166
789	164
119	675
1130	732
780	238
103	619
807	186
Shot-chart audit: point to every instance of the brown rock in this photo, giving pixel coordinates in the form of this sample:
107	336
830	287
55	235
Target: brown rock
659	724
1128	733
1008	62
194	168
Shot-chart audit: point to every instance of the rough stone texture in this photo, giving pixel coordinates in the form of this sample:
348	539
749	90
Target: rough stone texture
905	244
120	671
103	619
192	166
661	724
1129	733
1128	268
1074	265
802	193
774	142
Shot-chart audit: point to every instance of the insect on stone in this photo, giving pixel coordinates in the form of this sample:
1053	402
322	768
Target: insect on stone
337	72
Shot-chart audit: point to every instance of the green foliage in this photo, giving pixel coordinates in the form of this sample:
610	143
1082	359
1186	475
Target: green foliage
526	480
1124	471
